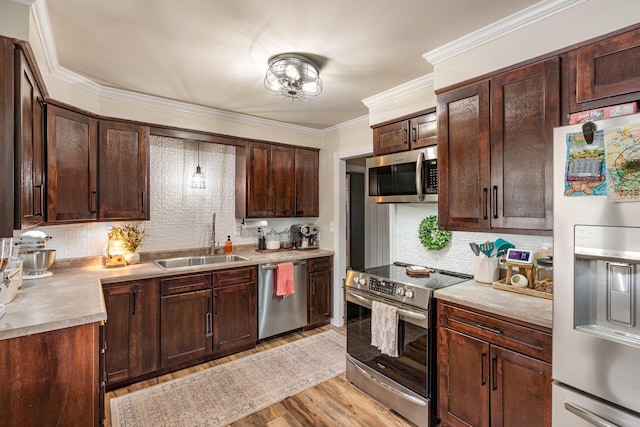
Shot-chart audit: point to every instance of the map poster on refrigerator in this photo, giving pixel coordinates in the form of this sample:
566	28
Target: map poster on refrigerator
622	163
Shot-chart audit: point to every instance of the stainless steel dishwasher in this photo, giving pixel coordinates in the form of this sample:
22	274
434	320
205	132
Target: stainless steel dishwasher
277	315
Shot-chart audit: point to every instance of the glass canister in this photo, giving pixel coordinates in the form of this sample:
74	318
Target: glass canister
285	239
273	240
544	274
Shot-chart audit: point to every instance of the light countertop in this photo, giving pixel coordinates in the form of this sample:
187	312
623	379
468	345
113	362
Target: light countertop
73	296
530	309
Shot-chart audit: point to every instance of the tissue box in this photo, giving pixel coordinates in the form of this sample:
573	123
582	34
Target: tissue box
11	283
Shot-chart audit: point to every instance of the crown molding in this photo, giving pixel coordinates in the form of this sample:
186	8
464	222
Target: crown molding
358	121
27	2
43	27
403	89
511	23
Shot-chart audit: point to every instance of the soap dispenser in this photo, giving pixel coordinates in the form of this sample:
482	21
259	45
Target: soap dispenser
228	246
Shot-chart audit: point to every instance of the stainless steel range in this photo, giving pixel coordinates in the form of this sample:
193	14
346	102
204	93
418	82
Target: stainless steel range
405	383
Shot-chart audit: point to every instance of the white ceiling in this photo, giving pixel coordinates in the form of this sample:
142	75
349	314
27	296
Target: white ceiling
214	53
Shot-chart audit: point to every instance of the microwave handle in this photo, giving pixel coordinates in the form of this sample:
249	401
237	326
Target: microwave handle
419	175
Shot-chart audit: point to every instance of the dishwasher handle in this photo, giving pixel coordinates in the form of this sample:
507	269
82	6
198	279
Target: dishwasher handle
274	266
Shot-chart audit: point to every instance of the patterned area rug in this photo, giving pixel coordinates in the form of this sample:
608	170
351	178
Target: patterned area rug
229	392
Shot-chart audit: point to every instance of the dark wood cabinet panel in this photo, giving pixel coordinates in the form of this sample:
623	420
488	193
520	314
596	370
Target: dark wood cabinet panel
258	172
235	318
186	319
319	291
606	72
282	182
464	158
51	378
123	171
306	182
405	134
520	389
525	107
495	151
391	138
463	379
235	325
131	331
72	149
483	383
424	130
29	147
7	135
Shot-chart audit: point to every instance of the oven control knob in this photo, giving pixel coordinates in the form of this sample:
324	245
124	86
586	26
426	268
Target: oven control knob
363	280
400	292
410	293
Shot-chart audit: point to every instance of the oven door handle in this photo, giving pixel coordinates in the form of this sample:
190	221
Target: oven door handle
403	312
388	387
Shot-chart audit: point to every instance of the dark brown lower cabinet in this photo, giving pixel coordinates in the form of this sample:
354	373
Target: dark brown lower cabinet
51	378
186	318
131	330
491	372
319	291
235	323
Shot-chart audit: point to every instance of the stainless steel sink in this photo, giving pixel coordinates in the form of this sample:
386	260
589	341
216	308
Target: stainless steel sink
198	260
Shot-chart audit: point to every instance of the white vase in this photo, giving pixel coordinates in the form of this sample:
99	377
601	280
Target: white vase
132	258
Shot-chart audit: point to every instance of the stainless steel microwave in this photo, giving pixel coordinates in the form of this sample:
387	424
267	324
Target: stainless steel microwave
409	176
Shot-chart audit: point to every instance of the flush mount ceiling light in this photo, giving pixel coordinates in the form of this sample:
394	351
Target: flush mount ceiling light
197	181
293	76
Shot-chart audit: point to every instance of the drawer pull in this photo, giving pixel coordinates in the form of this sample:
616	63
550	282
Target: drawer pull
489	329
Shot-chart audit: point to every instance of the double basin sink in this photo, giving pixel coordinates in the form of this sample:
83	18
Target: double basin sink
192	261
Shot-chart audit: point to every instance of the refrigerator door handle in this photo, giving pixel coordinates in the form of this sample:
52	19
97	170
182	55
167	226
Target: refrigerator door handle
588	416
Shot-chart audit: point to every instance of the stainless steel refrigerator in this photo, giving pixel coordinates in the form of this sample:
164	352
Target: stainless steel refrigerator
596	301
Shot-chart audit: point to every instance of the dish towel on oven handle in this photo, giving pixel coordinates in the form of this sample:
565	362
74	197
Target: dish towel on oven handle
384	328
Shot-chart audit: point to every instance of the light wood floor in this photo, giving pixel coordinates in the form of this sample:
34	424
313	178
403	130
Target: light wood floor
333	403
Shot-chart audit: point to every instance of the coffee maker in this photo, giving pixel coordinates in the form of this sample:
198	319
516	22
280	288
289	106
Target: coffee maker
304	236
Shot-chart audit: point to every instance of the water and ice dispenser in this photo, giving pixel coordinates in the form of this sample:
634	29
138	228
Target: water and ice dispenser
606	280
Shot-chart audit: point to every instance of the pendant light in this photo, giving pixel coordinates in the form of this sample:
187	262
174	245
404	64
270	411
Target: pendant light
197	181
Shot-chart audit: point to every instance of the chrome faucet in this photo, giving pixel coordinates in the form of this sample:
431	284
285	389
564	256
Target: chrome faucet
213	235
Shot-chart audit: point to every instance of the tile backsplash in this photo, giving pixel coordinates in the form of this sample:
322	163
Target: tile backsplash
457	256
181	216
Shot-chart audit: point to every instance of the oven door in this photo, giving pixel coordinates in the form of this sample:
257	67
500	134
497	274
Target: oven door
410	368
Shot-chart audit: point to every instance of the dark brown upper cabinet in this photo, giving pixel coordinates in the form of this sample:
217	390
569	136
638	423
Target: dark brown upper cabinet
495	151
72	149
404	134
29	148
123	171
276	181
605	72
307	186
96	169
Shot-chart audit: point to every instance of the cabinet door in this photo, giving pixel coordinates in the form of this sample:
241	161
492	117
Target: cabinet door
606	72
463	158
258	193
520	390
524	111
463	380
424	130
131	331
319	292
282	174
71	165
123	171
306	177
186	319
29	147
235	323
391	138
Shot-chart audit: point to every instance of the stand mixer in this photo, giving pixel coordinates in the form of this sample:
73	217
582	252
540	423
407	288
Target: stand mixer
36	258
